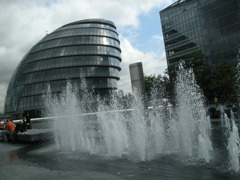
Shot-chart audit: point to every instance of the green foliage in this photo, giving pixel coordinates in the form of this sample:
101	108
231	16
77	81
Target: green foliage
215	81
201	70
218	81
124	100
157	86
153	81
223	82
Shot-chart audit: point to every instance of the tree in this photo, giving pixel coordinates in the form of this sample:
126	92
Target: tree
215	81
223	82
156	87
202	71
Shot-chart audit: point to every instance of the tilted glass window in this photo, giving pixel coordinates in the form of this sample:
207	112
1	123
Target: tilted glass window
49	75
95	25
78	32
67	51
77	40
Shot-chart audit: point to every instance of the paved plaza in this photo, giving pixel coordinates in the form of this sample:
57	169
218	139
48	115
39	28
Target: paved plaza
43	161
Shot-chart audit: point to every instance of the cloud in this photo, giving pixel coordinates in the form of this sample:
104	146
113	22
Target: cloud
23	23
3	90
157	37
153	63
2	51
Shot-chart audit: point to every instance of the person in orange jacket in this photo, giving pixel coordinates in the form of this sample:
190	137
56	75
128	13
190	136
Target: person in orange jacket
9	129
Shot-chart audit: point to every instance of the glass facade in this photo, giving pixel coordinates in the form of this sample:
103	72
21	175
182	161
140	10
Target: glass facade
87	48
209	26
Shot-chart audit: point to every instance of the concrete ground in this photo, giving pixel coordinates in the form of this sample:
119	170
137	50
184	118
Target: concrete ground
41	161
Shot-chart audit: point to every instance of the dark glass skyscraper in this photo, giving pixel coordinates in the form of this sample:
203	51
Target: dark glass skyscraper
209	26
88	48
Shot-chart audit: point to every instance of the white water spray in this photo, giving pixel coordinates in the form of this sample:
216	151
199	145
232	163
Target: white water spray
225	121
233	146
193	125
111	132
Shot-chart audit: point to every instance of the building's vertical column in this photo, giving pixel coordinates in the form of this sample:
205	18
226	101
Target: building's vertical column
137	77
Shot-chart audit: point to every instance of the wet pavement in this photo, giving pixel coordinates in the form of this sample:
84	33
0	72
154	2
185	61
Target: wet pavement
43	161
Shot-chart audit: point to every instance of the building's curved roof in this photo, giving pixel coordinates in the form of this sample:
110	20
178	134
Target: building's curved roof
96	20
88	48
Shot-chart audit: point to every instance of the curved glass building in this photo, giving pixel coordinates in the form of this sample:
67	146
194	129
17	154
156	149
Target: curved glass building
88	48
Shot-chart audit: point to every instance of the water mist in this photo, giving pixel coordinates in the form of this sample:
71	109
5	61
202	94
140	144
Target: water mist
193	126
233	144
86	123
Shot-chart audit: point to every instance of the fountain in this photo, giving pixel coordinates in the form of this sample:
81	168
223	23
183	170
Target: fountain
230	131
233	146
225	122
87	124
137	134
193	124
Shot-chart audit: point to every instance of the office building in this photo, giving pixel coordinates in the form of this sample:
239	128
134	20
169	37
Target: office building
88	48
209	26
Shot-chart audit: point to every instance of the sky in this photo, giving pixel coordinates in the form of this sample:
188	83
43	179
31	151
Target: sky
25	22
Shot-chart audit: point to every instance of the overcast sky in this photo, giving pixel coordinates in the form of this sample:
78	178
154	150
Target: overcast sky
24	22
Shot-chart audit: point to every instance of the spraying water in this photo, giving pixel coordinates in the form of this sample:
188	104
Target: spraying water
233	141
193	130
100	127
233	145
225	122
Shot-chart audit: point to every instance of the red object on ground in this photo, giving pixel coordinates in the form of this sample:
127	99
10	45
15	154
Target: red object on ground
10	126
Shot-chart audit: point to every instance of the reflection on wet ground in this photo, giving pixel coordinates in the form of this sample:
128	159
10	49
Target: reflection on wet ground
44	161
